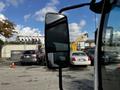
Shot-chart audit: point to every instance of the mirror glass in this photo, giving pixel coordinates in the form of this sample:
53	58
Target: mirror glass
50	17
57	35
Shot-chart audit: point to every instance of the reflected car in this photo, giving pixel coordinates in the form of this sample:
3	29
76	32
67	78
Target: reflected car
80	58
90	52
29	56
110	57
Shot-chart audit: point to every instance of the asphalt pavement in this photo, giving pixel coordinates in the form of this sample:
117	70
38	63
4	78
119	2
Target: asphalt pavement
35	77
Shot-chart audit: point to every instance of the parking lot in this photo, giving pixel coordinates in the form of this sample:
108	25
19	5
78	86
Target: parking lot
36	77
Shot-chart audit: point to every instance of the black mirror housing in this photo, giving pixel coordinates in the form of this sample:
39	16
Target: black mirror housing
57	38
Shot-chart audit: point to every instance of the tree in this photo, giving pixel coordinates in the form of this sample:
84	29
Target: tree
6	28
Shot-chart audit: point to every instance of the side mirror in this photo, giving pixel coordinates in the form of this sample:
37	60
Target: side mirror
57	37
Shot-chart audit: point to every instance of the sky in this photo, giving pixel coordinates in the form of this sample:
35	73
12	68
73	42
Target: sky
29	16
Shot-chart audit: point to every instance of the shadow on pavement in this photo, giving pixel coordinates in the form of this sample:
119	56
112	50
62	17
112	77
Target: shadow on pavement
83	84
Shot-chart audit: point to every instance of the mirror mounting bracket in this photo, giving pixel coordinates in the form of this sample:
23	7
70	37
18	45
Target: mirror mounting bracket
94	6
73	7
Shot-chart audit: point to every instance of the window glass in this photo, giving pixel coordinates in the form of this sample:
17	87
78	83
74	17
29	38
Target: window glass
78	54
57	38
110	57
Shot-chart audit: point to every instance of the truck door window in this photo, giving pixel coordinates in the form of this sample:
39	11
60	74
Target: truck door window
110	57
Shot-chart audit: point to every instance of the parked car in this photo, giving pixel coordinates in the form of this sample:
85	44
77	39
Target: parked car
29	56
90	52
80	58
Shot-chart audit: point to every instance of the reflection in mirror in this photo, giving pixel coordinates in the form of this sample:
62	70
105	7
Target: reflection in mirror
57	35
110	57
56	40
61	58
50	17
108	35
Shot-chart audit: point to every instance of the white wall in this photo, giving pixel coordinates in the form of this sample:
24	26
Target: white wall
6	50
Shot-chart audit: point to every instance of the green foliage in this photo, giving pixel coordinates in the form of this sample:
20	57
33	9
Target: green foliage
6	28
1	42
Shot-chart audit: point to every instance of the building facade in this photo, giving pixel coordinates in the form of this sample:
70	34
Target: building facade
30	39
23	43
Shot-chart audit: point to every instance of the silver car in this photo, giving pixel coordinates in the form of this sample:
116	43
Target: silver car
29	56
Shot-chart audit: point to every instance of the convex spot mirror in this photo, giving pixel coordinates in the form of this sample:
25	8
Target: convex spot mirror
57	37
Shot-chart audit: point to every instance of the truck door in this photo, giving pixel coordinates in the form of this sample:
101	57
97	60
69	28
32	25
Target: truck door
110	50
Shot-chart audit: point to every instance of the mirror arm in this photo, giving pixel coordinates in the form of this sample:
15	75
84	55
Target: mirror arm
73	7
